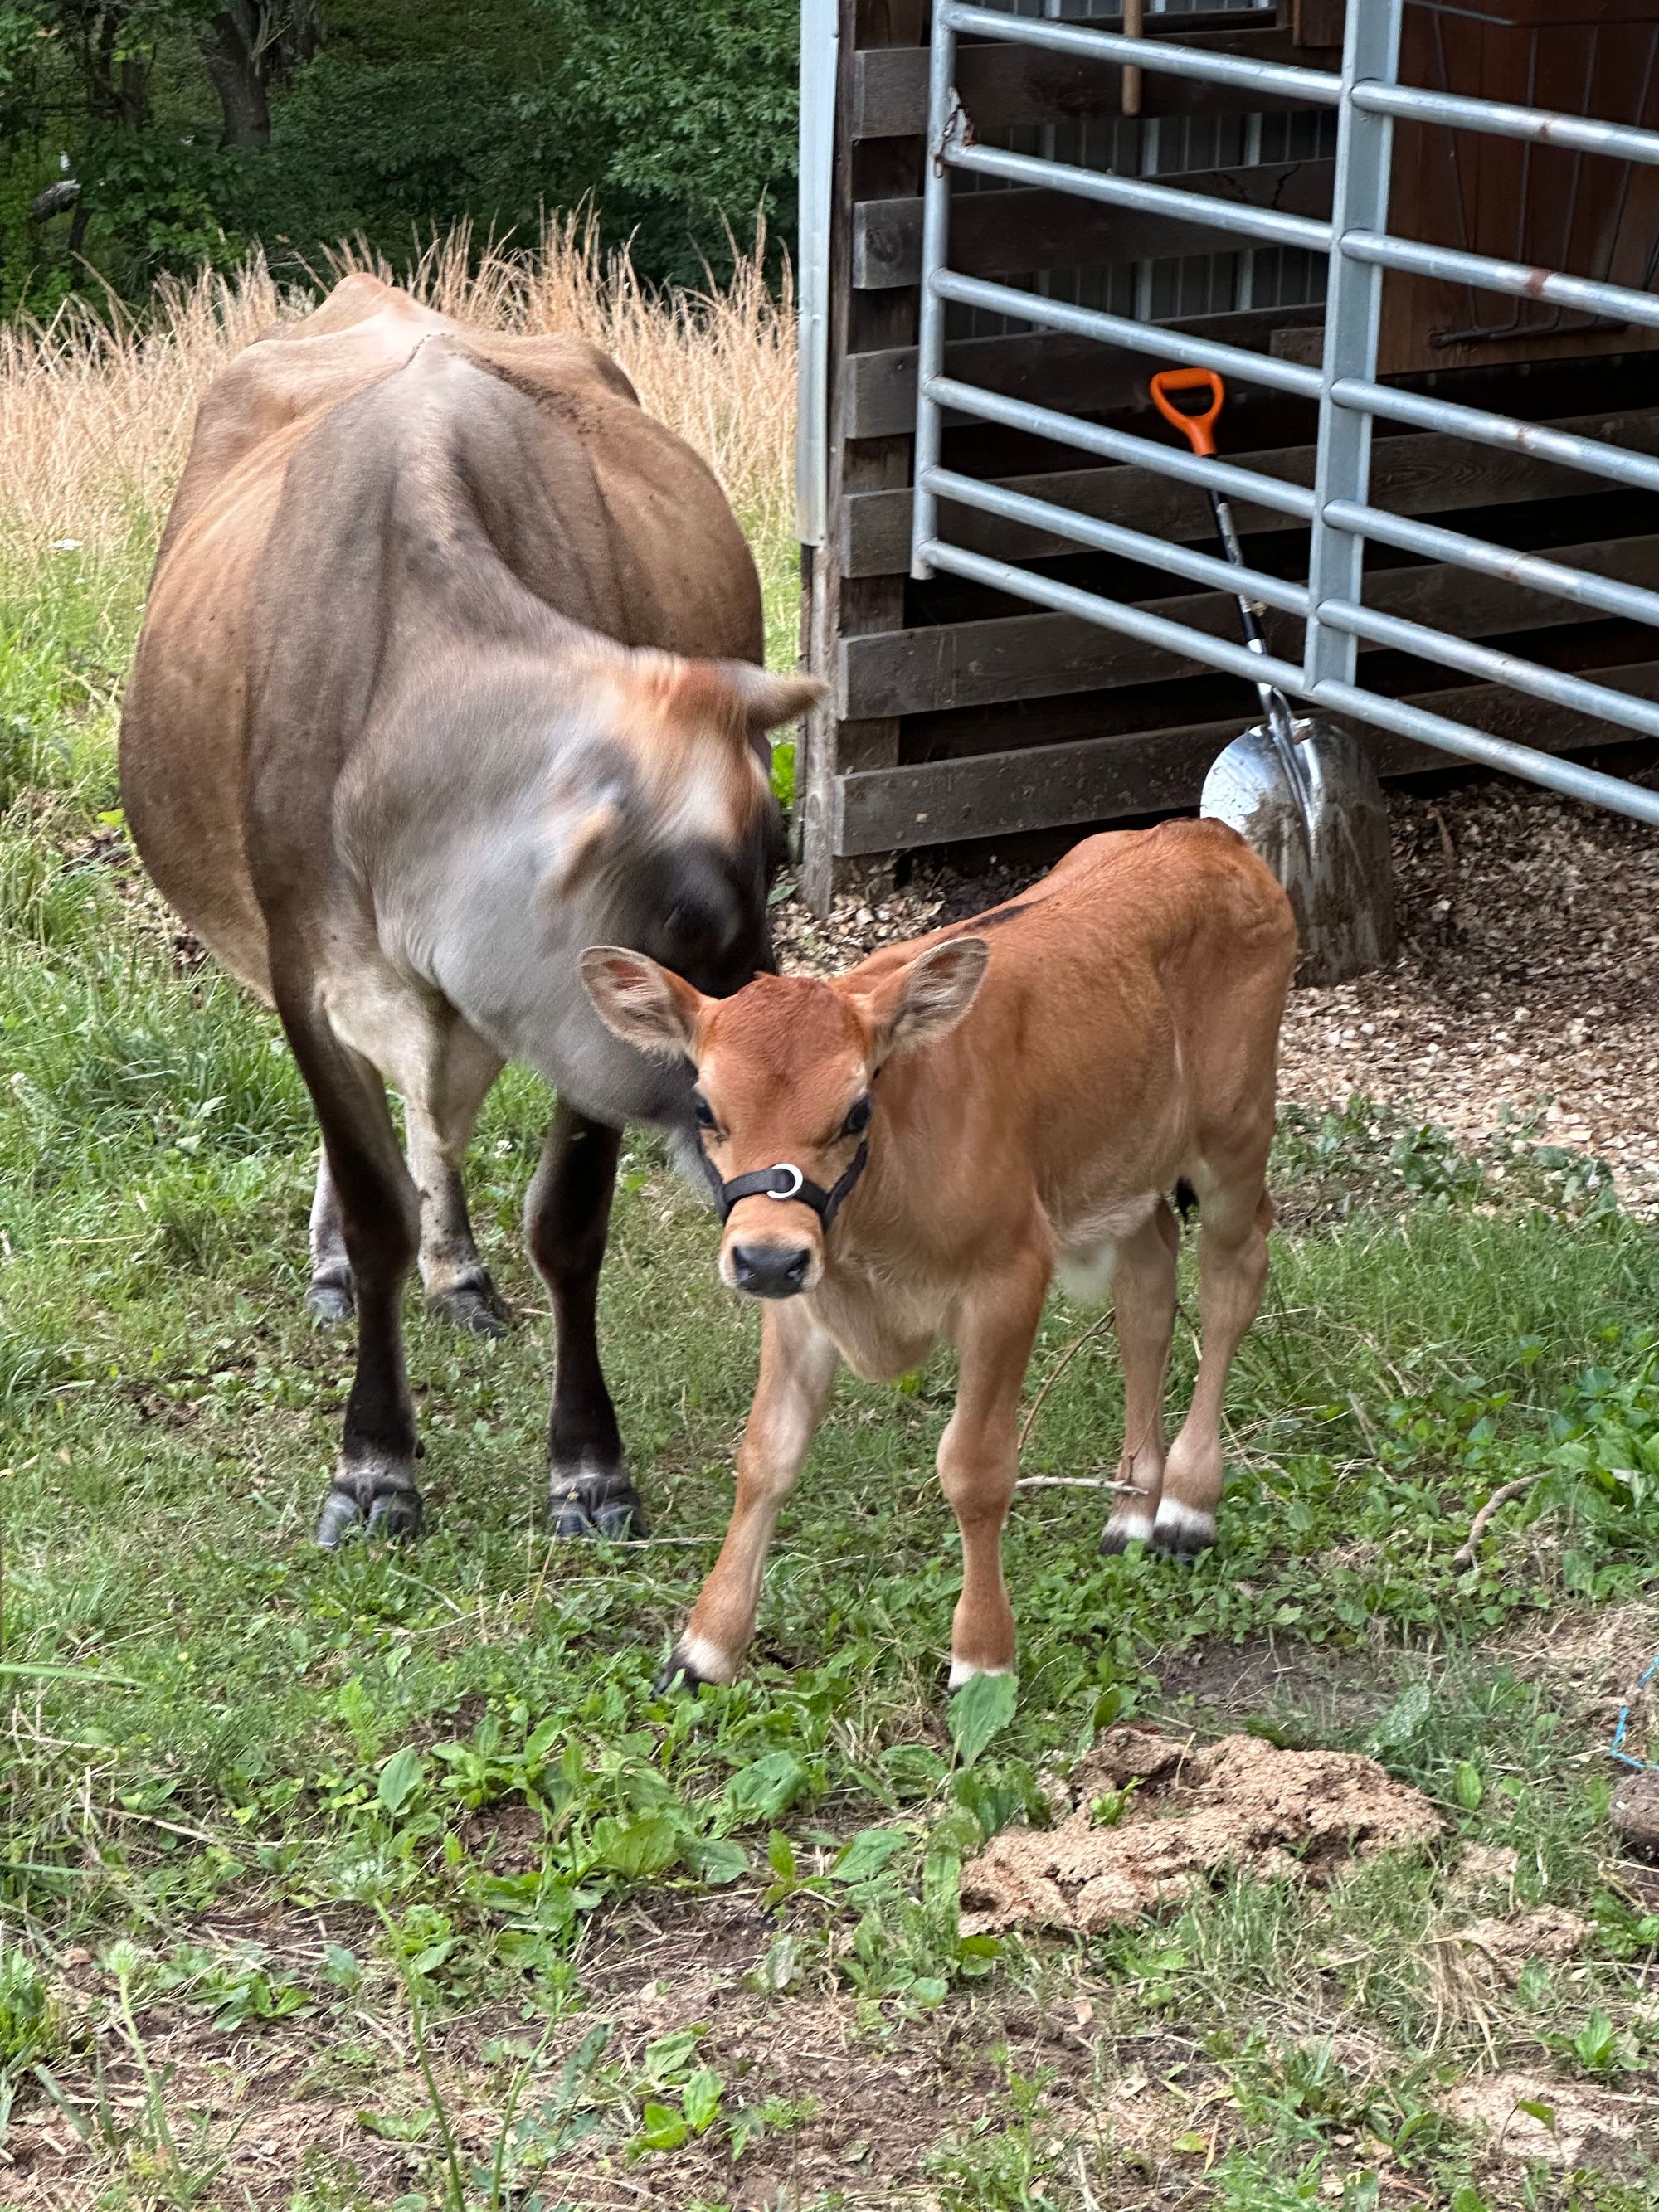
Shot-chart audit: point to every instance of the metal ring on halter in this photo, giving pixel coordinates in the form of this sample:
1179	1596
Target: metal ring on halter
792	1190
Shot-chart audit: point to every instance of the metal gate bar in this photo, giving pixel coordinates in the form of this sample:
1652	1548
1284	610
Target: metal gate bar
1291	376
1359	249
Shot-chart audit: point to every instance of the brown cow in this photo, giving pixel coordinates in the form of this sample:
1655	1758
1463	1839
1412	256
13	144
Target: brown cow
915	1148
407	728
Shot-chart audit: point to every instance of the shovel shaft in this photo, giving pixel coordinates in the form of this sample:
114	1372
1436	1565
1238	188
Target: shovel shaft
1274	704
1171	388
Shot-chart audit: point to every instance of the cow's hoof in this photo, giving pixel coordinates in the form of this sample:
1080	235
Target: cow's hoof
391	1512
1179	1533
596	1504
473	1306
692	1663
1124	1529
329	1298
677	1675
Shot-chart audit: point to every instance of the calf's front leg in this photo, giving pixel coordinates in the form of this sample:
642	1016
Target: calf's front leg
798	1368
978	1456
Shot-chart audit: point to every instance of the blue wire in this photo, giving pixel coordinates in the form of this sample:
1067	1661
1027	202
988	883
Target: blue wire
1642	1765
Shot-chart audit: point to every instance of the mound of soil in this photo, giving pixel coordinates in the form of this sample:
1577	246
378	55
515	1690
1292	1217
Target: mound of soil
1541	2118
1156	1817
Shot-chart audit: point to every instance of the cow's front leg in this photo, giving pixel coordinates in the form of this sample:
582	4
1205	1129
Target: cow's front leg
373	1485
978	1454
798	1368
566	1221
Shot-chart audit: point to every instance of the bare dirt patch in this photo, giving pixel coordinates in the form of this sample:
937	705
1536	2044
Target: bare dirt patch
1157	1818
1507	1945
1570	2124
1526	986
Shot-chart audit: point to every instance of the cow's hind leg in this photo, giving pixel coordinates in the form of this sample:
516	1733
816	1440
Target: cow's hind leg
1232	1271
566	1221
1142	1282
439	1125
373	1485
329	1295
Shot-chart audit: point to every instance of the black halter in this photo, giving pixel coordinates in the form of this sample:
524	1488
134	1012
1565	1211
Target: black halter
783	1182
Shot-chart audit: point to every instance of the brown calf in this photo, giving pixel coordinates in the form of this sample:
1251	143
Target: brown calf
915	1148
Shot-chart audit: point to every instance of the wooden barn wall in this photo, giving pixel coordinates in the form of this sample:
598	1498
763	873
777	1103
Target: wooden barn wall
958	714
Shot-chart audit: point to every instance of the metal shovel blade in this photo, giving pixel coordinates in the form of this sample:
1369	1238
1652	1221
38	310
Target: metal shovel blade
1330	851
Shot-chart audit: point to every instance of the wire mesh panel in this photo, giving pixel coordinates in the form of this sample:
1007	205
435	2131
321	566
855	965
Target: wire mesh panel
1263	254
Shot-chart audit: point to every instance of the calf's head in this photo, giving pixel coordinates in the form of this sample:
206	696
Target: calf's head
786	1098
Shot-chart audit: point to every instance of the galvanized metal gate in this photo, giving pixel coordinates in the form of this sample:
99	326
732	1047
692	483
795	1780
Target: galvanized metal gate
1337	510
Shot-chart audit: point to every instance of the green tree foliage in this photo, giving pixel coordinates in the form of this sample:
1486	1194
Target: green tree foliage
138	136
693	112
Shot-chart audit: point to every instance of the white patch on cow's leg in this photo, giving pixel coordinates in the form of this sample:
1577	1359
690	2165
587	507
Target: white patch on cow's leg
964	1670
1143	1285
1182	1531
329	1296
1232	1271
695	1659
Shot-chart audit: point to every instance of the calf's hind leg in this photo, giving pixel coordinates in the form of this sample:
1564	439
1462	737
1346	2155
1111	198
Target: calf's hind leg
1143	1284
1233	1271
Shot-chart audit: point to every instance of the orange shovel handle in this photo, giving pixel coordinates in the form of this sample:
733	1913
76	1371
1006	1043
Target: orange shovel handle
1196	424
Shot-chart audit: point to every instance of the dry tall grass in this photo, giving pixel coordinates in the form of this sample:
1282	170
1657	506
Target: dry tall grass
96	407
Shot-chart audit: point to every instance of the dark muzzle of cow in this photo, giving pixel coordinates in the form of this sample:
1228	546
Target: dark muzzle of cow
779	1271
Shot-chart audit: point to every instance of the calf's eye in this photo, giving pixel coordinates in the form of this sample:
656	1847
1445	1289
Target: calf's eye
702	1110
857	1120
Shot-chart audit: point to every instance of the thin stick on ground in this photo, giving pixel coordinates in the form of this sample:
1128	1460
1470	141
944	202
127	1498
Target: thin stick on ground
1071	1482
1464	1555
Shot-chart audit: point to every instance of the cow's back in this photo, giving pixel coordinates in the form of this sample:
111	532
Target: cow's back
582	502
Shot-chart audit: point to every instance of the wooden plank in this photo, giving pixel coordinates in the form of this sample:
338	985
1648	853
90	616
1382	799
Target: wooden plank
1042	656
842	606
1418	473
1106	779
1318	22
1003	86
1008	234
880	394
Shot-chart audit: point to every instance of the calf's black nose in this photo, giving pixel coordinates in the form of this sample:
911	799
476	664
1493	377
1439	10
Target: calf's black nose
769	1271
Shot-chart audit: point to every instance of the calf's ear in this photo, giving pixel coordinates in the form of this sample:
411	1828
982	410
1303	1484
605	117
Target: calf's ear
645	1006
927	998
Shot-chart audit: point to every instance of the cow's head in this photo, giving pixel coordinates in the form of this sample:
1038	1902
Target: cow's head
678	836
786	1100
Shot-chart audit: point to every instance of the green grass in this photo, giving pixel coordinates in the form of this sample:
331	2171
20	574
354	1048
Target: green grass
396	1856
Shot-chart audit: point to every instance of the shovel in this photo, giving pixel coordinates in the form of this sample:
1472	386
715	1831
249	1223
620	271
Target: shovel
1300	793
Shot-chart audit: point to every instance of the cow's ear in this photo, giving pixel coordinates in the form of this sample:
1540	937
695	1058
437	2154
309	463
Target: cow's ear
645	1006
593	843
926	1000
769	700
